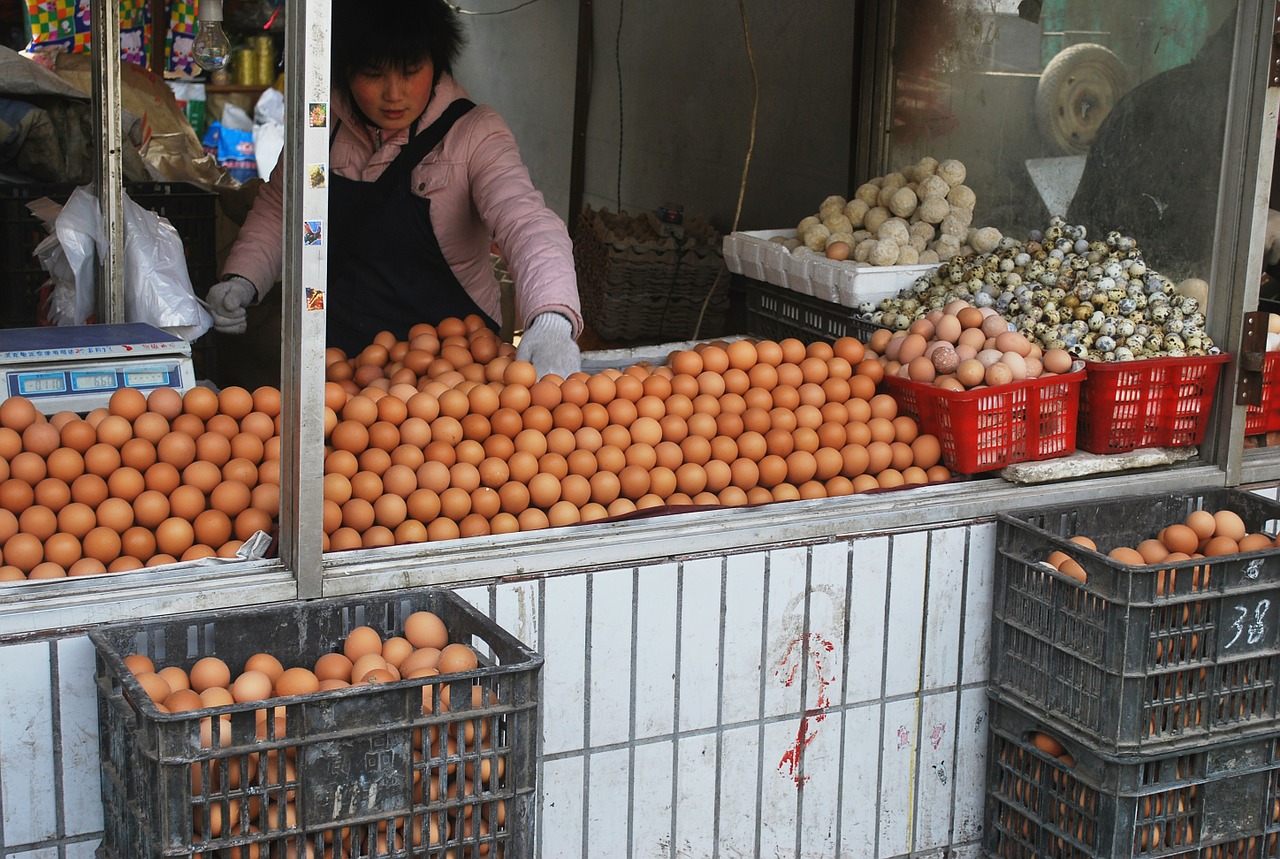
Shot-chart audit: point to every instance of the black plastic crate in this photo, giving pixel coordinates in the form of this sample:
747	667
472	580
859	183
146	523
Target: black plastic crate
366	767
1138	659
191	210
1217	801
775	313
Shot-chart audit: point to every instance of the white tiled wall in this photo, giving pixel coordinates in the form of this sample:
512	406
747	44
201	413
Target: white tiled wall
812	701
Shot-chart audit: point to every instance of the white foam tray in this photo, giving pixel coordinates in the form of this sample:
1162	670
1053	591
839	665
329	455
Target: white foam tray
848	283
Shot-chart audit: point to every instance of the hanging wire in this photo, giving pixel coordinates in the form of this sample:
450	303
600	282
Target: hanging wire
462	11
746	164
617	62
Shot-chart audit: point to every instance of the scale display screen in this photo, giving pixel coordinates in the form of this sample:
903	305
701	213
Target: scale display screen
93	380
34	384
151	377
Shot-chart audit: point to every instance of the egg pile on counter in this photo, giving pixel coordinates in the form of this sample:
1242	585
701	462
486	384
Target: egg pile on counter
1097	299
445	435
147	480
922	213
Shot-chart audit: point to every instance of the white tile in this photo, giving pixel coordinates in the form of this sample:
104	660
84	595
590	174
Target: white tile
945	609
897	777
979	584
606	817
699	643
564	669
865	671
43	853
651	811
860	786
971	765
935	771
743	618
517	611
906	613
563	795
610	657
26	744
828	607
695	810
820	770
739	795
83	849
478	596
785	628
655	684
78	703
779	812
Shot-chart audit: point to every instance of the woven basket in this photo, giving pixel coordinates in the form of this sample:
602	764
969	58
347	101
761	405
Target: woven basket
638	284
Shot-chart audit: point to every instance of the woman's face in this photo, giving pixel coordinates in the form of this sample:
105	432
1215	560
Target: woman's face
393	98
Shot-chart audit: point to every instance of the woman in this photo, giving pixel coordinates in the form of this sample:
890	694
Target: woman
422	183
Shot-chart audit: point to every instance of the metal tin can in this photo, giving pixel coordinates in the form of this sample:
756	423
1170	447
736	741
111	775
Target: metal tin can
244	67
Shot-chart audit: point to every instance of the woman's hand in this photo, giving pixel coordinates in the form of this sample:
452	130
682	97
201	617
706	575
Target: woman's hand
227	302
548	345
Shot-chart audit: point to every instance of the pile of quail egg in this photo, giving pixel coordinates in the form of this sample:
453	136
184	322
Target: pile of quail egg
1096	299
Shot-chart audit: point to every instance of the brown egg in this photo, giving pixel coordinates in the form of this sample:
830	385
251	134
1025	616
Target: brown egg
297	681
17	413
1152	551
166	402
1251	543
455	658
1126	555
1221	544
177	449
360	641
1180	538
201	402
115	514
1202	522
173	536
1229	524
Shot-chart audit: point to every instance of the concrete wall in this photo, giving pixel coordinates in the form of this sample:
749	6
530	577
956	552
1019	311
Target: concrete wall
686	101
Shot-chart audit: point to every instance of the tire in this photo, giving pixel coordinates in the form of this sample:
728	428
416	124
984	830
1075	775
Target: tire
1077	90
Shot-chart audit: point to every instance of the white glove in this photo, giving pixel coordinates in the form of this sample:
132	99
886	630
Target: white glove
548	345
1272	245
227	302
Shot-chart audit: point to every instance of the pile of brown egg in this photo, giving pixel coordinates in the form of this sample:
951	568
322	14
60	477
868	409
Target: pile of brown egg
147	480
446	435
456	761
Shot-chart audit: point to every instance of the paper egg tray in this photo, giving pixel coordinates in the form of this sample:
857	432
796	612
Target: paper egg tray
1134	666
1216	801
357	763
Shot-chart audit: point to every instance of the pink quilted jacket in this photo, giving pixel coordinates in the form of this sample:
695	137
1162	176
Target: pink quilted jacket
480	193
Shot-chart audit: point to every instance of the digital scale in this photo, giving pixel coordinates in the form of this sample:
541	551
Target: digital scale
78	367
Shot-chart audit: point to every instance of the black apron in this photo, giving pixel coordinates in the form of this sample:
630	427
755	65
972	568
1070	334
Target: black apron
386	269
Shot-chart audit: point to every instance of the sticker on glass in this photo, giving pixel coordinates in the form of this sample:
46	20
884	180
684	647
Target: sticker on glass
315	298
315	175
312	233
317	115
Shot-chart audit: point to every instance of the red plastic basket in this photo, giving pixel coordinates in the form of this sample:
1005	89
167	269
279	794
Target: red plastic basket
1158	402
1265	417
989	428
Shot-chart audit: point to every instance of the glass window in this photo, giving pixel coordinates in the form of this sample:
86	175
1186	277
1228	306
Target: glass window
1109	114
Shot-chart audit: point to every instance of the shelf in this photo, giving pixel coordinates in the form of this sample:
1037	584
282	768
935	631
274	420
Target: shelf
213	89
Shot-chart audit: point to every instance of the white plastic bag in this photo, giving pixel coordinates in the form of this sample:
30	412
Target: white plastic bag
157	287
268	130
